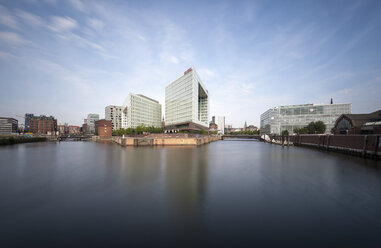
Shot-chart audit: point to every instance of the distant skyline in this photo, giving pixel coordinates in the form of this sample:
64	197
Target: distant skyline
71	58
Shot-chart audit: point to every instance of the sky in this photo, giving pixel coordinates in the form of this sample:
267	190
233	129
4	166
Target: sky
71	58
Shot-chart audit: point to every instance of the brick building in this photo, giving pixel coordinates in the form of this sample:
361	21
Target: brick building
74	130
103	128
43	124
358	123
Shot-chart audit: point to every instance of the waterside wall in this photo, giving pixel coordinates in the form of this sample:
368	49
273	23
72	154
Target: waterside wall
165	140
361	145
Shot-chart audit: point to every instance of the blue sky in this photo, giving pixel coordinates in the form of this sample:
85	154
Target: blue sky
71	58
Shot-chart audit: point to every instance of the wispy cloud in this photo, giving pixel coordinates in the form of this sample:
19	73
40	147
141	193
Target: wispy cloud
12	38
79	5
6	55
30	19
95	23
62	24
7	19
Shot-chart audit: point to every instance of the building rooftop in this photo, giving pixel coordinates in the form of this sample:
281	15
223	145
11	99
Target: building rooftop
310	104
147	98
361	119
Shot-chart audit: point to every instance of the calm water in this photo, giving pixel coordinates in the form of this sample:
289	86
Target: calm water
232	193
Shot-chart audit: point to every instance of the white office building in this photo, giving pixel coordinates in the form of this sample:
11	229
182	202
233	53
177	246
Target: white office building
138	109
220	122
186	103
91	119
114	114
278	119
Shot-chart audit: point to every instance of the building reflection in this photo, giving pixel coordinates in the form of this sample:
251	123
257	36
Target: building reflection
186	176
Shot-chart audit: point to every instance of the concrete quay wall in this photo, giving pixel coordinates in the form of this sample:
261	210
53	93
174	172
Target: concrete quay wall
361	145
164	141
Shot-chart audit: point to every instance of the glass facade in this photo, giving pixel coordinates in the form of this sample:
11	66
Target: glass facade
186	100
91	119
278	119
138	110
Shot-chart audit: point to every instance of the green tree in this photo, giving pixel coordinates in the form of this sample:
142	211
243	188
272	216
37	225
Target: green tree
285	133
320	127
316	127
140	129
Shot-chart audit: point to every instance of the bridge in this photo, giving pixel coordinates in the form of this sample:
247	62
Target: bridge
74	137
241	136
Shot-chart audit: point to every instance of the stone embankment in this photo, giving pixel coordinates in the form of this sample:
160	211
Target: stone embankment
166	140
368	146
11	140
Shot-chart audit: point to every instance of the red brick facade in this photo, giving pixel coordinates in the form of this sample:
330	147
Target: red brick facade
43	125
103	128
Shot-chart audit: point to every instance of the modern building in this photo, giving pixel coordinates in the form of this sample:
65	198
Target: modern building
278	119
43	124
27	120
186	103
8	125
103	128
114	114
251	128
74	129
220	121
91	119
358	123
139	110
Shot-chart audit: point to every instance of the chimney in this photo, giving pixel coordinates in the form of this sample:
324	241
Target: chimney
331	101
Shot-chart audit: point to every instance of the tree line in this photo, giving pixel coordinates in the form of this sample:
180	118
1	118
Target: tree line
138	130
317	127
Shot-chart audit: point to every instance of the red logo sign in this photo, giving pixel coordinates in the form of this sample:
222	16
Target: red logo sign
185	72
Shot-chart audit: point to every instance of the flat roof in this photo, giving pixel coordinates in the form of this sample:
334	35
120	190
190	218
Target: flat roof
147	98
312	104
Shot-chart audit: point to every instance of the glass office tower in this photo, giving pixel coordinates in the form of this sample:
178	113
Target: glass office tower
186	103
278	119
139	109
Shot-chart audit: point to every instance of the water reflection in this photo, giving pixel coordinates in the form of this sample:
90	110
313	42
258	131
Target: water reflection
226	192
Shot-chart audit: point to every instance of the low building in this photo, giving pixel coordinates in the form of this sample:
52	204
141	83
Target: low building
8	125
21	128
74	130
358	123
43	124
281	118
213	126
62	128
103	128
251	128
